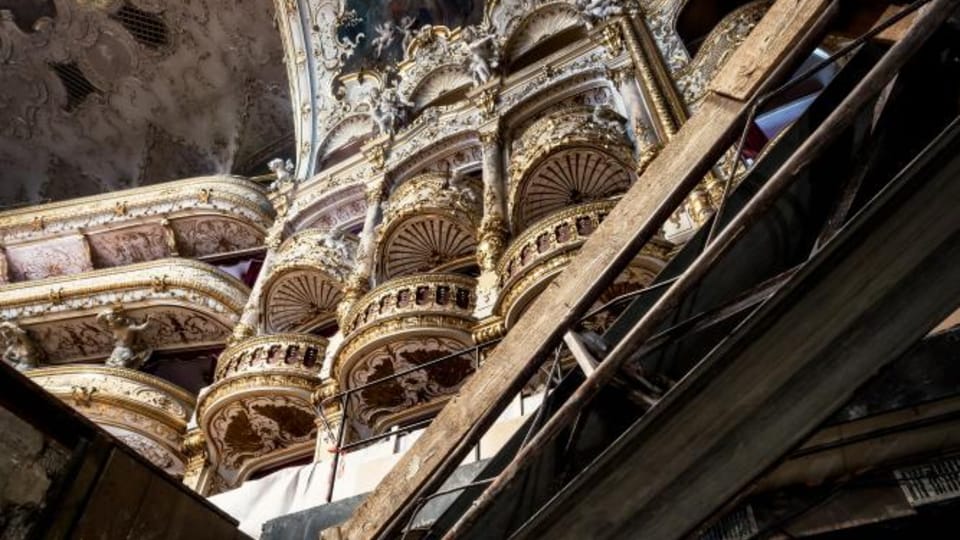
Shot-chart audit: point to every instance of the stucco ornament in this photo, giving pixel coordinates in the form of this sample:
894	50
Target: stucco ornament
597	10
483	53
388	109
128	350
386	32
336	245
283	170
18	348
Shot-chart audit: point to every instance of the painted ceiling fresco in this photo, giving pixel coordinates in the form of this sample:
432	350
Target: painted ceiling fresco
385	25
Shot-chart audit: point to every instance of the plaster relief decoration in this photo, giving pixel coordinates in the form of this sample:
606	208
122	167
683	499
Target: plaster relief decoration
56	257
375	408
196	217
252	428
106	95
535	27
430	222
155	453
306	280
129	245
200	236
19	349
567	157
129	350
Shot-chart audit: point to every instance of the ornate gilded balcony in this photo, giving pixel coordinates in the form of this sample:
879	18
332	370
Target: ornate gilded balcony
570	156
198	217
190	305
306	280
546	247
258	412
401	324
429	225
147	413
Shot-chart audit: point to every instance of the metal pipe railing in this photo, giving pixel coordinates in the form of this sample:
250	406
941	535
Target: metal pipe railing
344	396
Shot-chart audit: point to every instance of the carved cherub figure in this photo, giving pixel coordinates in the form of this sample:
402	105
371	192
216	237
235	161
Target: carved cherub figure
283	170
406	28
463	196
334	242
389	109
607	118
483	56
386	32
129	350
18	349
596	10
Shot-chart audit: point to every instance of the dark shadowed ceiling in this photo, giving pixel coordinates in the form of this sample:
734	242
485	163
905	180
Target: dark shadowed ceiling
99	95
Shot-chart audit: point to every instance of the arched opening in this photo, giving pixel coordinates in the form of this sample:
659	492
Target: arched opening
699	17
547	47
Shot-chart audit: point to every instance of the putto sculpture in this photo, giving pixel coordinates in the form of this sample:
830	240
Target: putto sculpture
597	10
283	170
388	109
129	351
483	54
386	32
18	348
334	243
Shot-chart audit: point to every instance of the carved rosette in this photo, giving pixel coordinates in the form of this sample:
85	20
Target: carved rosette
570	156
430	225
259	411
547	246
145	412
306	281
401	324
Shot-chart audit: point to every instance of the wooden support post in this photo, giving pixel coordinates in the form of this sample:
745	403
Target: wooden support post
783	36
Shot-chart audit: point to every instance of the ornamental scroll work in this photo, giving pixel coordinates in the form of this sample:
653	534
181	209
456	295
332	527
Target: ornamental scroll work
259	408
198	217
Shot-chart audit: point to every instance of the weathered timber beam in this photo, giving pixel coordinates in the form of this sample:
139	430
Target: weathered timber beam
783	36
883	283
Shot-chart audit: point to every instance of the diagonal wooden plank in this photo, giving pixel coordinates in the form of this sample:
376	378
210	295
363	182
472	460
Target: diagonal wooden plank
782	35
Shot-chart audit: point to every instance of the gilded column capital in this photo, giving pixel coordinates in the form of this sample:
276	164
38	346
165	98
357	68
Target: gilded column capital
486	101
374	191
194	447
490	138
492	241
376	155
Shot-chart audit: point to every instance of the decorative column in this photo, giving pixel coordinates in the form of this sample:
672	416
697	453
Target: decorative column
492	236
358	283
249	324
198	472
639	117
666	107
